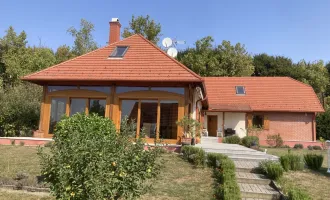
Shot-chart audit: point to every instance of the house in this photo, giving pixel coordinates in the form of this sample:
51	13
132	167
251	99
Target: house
135	79
280	105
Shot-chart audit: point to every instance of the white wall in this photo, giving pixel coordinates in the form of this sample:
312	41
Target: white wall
233	120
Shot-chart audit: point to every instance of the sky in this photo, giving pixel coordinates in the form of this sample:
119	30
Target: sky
299	29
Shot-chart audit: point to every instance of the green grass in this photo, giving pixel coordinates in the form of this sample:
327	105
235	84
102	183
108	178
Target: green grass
315	183
178	179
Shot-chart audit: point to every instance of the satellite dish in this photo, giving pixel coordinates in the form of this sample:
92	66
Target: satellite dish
167	42
172	52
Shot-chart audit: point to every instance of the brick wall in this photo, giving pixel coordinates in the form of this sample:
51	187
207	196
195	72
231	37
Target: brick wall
291	126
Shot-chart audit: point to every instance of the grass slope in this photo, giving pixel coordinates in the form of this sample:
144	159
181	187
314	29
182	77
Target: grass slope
178	179
316	184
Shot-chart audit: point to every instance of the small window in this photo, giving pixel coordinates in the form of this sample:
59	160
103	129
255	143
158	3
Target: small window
240	90
119	52
258	121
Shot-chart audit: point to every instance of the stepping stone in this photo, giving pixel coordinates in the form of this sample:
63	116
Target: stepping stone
243	177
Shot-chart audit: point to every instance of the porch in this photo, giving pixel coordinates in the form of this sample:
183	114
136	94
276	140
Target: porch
222	124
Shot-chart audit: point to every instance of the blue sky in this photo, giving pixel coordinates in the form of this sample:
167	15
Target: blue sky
298	29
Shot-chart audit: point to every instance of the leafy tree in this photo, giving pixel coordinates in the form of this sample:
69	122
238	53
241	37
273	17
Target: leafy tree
266	65
144	26
83	38
63	53
223	60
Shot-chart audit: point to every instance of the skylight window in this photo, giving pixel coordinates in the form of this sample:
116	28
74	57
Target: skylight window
119	52
240	90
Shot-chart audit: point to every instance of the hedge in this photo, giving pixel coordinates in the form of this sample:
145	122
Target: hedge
224	171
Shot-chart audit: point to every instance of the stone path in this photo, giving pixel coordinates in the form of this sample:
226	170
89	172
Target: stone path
253	185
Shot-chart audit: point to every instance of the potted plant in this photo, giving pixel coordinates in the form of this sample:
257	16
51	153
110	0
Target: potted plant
191	129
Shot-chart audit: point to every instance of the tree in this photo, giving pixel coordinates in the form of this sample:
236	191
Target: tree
322	125
144	26
83	38
223	60
63	53
266	65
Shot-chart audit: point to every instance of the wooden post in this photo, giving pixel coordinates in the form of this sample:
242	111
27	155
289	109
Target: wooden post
223	124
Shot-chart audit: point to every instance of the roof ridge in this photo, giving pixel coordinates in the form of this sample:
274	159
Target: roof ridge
24	77
174	60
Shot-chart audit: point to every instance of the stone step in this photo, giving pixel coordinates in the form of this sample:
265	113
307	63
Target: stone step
258	191
251	158
246	166
252	178
209	140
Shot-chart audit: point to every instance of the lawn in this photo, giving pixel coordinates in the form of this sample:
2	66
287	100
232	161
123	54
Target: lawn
315	183
178	179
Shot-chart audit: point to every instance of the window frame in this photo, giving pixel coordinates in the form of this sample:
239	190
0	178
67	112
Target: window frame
262	120
114	52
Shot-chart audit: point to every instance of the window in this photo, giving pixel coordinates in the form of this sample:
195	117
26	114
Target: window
96	88
240	90
58	88
77	106
119	51
58	109
148	118
129	110
97	106
168	118
130	89
177	90
258	121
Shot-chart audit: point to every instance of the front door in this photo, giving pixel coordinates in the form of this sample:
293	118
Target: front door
212	125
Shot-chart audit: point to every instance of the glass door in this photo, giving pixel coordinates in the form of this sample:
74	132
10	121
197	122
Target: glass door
78	105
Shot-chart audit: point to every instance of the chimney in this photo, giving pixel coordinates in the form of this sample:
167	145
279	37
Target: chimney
114	35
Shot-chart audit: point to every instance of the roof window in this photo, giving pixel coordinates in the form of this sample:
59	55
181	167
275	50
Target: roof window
240	90
119	52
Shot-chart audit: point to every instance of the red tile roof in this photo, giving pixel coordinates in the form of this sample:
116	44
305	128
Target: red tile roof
143	61
262	94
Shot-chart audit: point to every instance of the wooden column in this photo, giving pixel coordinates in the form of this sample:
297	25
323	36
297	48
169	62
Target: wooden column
223	124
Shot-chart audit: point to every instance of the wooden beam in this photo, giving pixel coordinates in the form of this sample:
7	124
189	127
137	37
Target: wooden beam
223	124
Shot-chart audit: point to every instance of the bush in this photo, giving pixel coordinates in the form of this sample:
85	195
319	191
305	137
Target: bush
225	176
249	141
272	169
214	159
309	147
298	146
322	125
275	140
232	139
20	108
194	155
297	194
48	144
315	147
291	162
313	161
90	160
22	143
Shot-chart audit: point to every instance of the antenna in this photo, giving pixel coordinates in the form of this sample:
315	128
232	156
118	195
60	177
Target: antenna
170	45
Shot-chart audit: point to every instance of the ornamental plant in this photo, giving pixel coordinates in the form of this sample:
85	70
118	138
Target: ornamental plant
190	126
90	160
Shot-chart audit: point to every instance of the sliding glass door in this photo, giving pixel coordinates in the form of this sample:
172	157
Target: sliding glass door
156	118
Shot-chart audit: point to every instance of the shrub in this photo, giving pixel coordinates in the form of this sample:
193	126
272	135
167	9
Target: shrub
298	146
20	108
48	144
232	139
291	162
297	194
22	143
313	161
90	160
195	155
272	169
275	140
249	141
214	159
323	143
315	147
12	142
309	147
225	176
